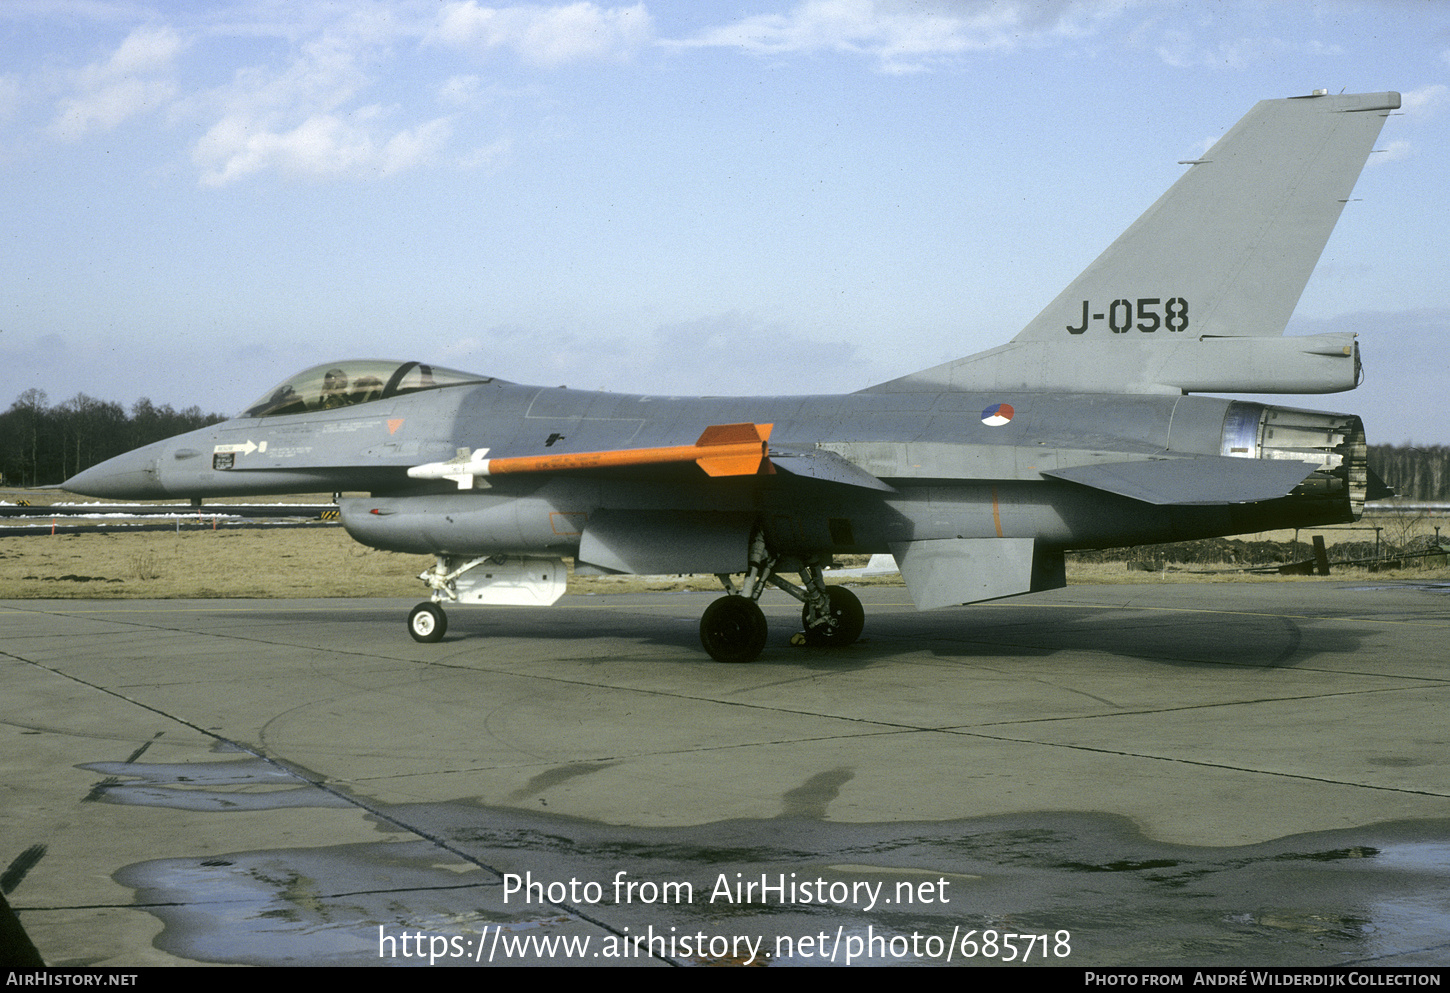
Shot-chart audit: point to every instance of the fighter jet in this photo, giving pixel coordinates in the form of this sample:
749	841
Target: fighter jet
1081	432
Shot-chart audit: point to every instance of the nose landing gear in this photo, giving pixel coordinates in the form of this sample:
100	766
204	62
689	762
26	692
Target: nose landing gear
427	622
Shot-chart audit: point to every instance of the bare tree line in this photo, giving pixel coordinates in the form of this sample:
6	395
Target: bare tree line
42	443
1415	472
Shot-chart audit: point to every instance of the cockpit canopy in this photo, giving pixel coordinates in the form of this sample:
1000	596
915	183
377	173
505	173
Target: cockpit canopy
343	384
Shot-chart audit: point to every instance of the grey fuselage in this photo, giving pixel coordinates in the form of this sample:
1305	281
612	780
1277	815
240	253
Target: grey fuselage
940	470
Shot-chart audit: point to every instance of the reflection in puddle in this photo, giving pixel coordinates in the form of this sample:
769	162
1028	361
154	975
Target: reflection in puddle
309	906
239	784
1377	896
1405	922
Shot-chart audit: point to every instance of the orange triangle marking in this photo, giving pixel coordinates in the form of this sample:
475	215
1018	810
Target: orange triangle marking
393	424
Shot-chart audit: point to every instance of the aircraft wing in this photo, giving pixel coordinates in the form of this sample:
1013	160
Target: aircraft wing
1200	481
827	466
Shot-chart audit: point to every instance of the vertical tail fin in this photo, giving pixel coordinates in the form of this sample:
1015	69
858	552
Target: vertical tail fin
1195	295
1235	239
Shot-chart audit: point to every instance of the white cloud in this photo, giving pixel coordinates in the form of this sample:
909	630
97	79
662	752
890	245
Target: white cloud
488	156
1392	151
300	120
306	102
145	50
106	108
322	146
459	91
911	36
136	79
9	95
325	73
413	147
1183	49
1417	105
546	36
1424	102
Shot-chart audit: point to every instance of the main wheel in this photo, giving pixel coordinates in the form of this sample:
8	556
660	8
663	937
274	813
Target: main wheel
846	611
733	629
427	622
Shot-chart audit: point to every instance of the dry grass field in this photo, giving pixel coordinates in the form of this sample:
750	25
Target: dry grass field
322	561
250	562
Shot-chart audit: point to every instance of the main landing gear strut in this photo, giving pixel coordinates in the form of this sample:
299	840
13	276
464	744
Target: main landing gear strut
733	628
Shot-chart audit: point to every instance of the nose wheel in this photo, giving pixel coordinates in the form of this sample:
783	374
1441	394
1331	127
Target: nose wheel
427	622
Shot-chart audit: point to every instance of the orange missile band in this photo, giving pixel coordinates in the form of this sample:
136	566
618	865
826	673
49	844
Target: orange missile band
721	450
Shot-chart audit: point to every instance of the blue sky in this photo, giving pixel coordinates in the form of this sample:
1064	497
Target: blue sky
746	197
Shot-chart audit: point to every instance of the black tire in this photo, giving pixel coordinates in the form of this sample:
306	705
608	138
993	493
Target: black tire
427	622
849	615
733	629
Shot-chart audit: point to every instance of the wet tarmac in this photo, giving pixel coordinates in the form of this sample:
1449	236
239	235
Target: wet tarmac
1133	775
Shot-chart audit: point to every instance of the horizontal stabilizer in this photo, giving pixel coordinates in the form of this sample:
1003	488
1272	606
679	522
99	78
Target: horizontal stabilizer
1204	480
1377	488
721	450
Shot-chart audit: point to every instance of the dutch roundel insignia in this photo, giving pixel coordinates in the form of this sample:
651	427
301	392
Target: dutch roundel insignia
997	415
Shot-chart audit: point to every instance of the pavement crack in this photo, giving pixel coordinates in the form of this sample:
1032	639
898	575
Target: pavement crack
1228	767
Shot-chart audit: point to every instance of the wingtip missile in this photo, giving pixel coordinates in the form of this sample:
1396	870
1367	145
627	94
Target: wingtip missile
721	450
462	469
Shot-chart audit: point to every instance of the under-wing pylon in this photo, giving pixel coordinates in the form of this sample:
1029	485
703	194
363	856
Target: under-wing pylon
1083	431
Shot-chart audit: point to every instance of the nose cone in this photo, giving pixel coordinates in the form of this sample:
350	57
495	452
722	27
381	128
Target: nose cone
132	476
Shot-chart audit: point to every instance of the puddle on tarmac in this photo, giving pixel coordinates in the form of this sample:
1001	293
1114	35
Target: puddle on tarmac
1374	896
236	784
310	906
